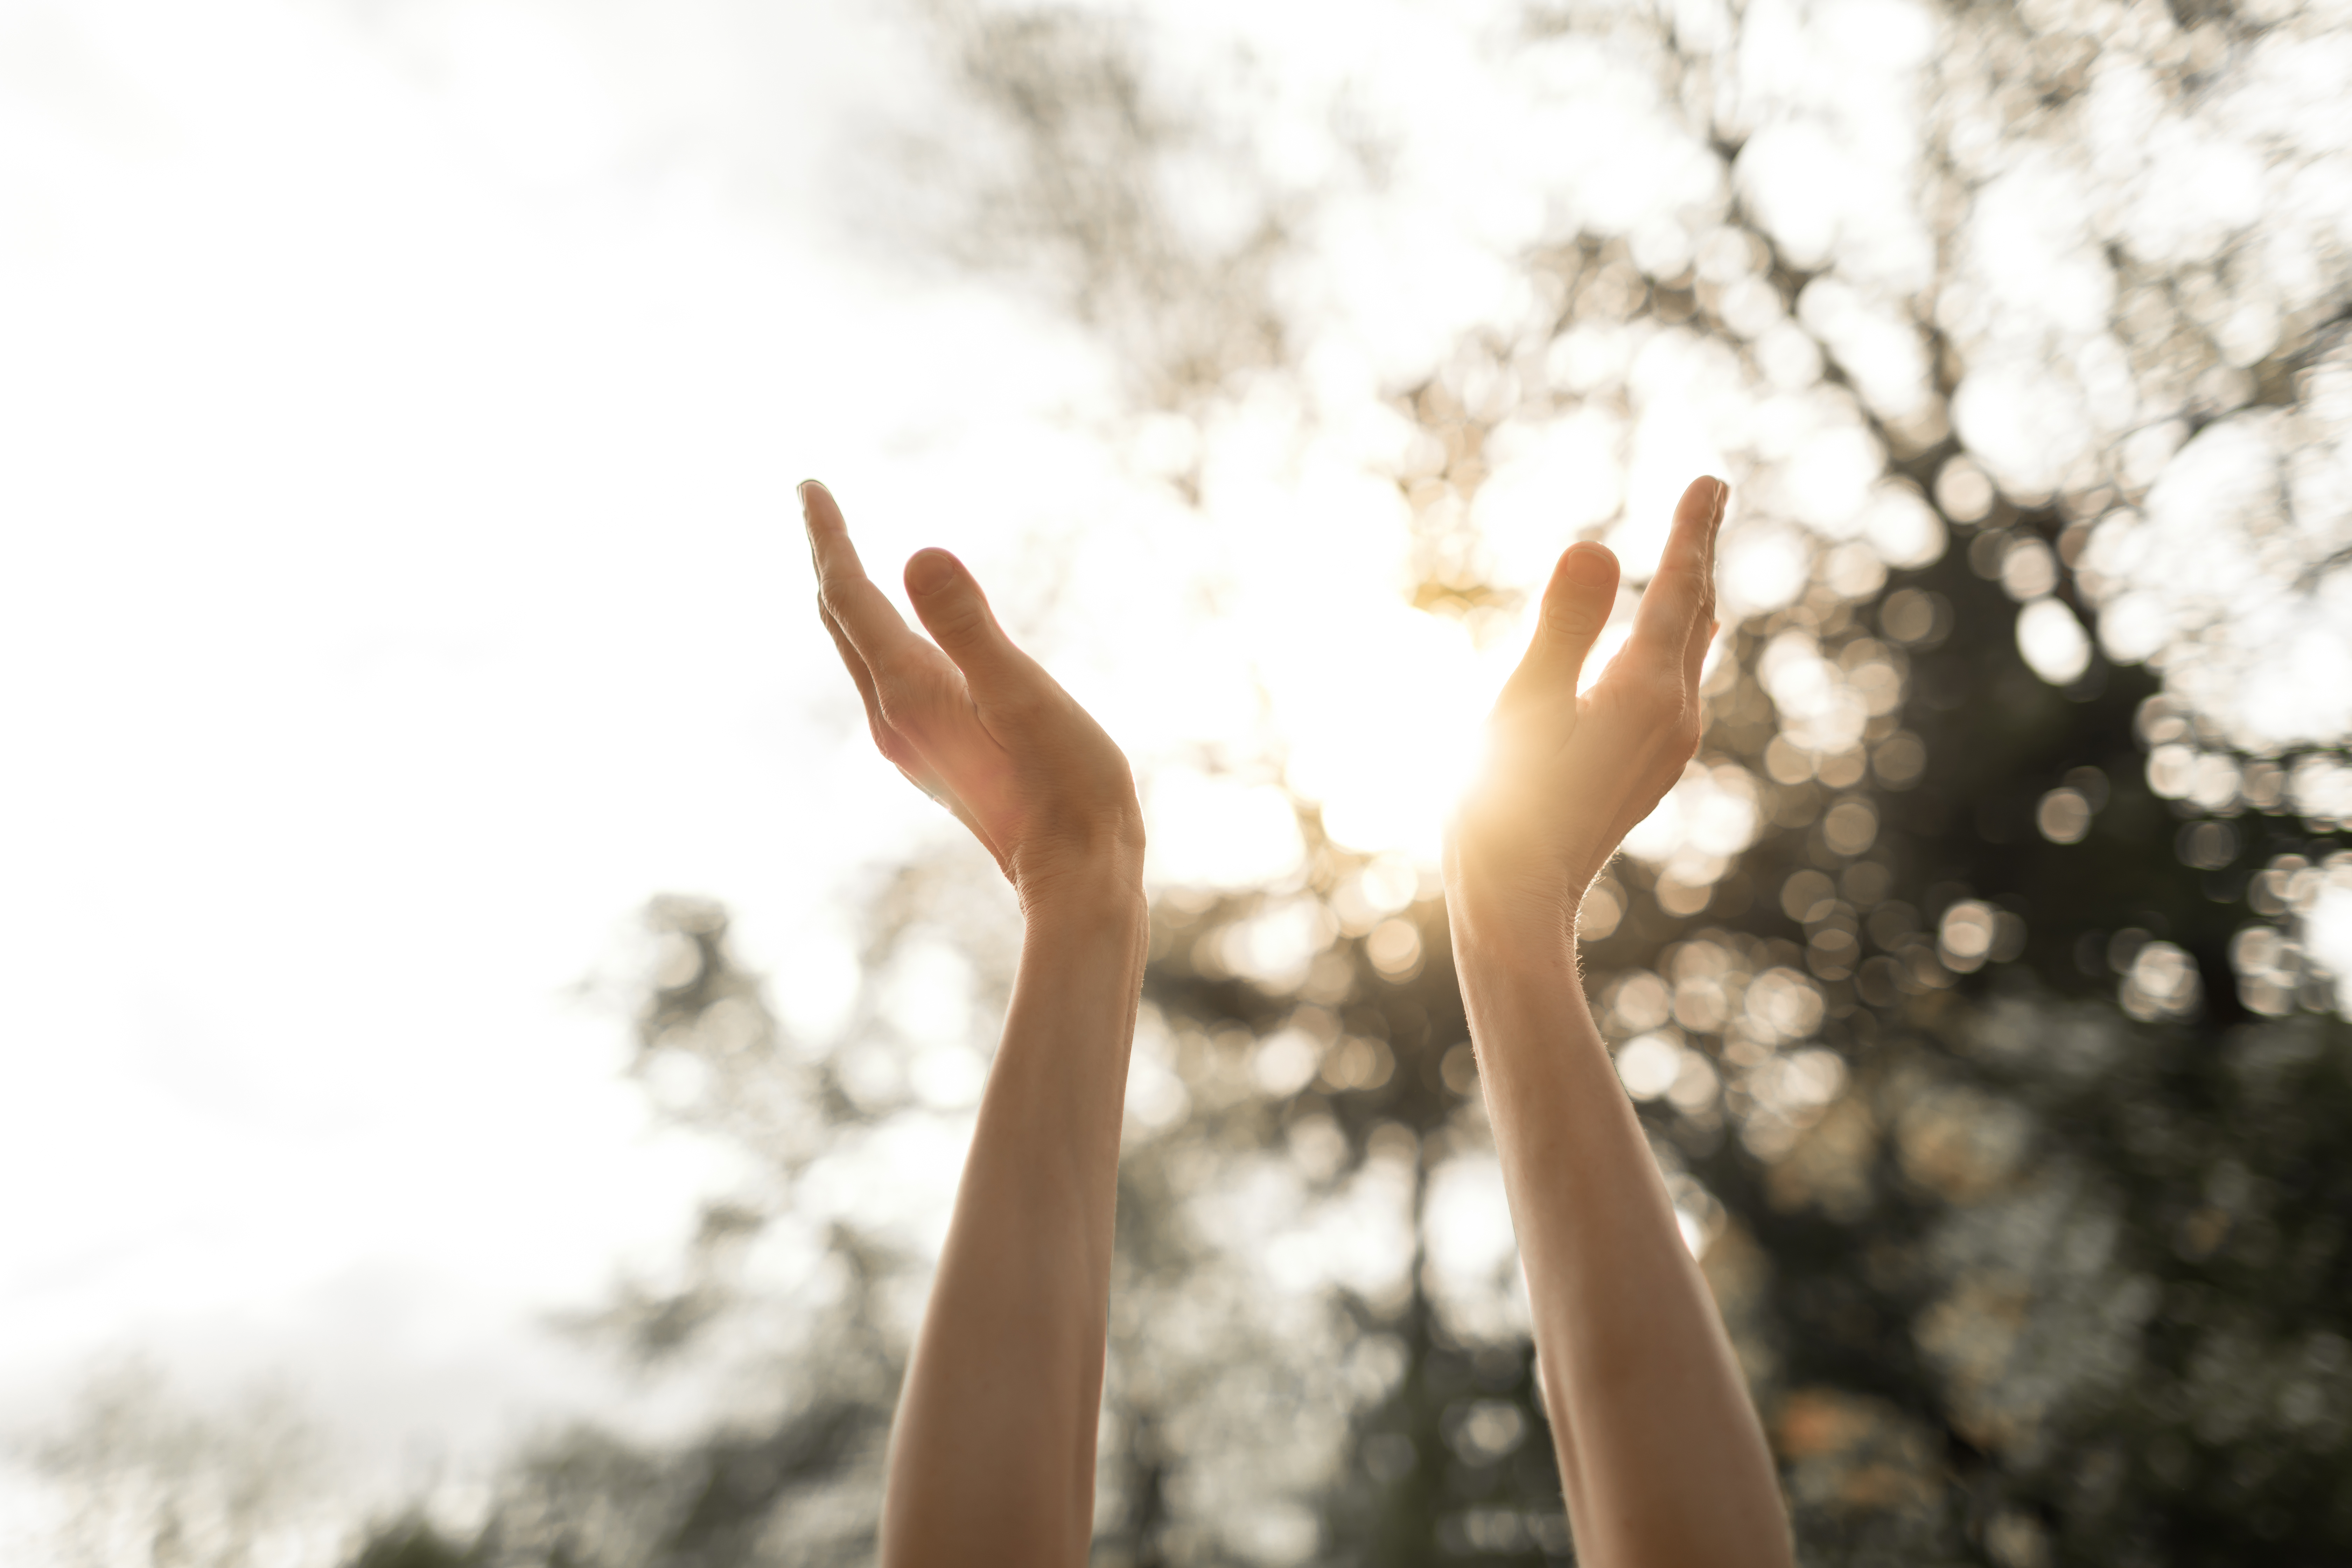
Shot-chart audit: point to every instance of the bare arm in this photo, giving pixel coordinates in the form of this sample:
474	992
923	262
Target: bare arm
993	1454
1662	1458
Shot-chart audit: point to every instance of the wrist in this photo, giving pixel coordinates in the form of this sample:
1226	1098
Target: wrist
1103	894
1516	925
1516	972
1092	869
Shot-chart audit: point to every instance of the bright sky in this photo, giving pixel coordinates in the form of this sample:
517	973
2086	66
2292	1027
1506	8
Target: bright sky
399	588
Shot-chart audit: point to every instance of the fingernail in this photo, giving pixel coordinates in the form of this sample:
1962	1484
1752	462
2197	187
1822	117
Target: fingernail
1722	500
802	490
930	571
1575	606
1585	568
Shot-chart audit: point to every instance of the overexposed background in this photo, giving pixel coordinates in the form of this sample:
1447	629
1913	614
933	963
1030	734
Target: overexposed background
400	583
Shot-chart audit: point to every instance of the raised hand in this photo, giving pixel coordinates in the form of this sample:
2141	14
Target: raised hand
976	723
1662	1458
1568	775
992	1453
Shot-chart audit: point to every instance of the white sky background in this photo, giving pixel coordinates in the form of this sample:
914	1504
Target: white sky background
399	583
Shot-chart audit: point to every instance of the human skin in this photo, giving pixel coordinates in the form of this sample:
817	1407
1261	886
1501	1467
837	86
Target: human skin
991	1456
992	1453
1662	1458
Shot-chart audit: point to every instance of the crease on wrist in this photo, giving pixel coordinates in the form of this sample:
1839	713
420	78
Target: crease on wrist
1111	895
1506	926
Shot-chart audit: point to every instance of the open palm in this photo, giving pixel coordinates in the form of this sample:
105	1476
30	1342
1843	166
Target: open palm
970	719
1570	774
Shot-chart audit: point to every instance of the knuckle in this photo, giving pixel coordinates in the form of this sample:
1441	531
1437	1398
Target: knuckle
1574	619
960	619
959	616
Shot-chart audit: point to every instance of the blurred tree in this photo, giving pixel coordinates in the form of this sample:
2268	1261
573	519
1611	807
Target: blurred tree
1968	984
147	1480
778	1322
2028	1219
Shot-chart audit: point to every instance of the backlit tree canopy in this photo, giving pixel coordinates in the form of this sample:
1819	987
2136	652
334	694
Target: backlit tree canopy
1981	984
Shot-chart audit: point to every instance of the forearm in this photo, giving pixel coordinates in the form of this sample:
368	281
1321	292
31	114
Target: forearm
992	1453
1662	1458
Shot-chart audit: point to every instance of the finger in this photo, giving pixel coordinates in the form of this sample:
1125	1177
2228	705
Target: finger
898	748
1705	625
865	613
1695	659
1576	605
948	598
855	662
901	751
1674	603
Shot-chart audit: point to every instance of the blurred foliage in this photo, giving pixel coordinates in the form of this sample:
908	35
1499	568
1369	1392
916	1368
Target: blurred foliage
1061	116
150	1479
1970	1011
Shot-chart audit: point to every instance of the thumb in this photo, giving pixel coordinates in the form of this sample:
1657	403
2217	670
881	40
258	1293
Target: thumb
947	600
1576	605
